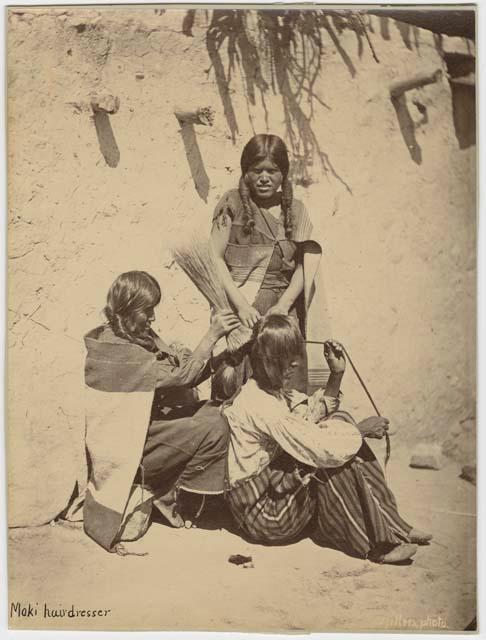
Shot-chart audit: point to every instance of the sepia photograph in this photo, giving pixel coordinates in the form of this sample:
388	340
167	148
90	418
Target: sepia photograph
241	326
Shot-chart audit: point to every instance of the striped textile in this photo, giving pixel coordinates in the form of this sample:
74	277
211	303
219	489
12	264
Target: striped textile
273	506
356	511
248	255
317	378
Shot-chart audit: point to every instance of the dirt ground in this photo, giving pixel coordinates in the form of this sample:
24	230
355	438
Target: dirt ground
293	588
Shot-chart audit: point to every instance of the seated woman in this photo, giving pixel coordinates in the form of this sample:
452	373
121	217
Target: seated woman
294	459
185	444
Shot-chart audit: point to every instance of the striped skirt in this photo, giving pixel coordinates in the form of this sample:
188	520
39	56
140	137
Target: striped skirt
275	505
350	508
356	511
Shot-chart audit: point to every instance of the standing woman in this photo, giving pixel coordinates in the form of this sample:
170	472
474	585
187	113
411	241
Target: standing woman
263	240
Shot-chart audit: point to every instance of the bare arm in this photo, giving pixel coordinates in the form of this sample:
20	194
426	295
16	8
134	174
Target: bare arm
220	234
334	354
333	385
193	364
296	285
293	291
374	427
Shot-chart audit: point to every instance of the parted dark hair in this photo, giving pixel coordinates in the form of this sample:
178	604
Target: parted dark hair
259	148
231	371
131	297
276	342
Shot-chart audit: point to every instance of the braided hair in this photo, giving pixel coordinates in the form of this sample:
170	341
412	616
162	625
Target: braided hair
130	299
261	147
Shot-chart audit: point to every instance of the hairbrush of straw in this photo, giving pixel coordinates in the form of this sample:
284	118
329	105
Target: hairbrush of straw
387	437
197	259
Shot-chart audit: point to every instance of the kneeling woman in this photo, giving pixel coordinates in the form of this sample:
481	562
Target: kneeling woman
294	459
147	437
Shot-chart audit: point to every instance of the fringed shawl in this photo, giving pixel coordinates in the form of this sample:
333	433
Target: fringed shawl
120	381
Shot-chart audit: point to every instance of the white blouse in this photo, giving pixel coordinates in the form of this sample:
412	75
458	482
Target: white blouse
261	425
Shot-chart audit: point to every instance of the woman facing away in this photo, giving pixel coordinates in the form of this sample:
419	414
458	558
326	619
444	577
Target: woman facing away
147	436
295	460
263	240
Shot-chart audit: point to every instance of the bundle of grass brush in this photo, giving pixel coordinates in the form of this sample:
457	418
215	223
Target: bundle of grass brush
198	261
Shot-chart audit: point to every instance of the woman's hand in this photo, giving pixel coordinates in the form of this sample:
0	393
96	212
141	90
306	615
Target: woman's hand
222	323
334	354
278	309
248	315
374	427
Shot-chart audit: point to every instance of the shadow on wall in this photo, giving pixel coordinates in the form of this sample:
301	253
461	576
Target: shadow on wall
405	30
188	22
398	95
195	161
384	28
342	52
464	113
106	139
222	27
461	69
407	127
280	52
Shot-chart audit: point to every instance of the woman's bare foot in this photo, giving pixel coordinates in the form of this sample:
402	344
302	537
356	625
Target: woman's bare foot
169	511
420	537
398	554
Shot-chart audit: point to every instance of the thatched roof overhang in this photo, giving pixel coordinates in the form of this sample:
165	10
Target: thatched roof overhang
451	22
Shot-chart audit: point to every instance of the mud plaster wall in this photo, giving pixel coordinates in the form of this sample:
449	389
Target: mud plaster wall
88	200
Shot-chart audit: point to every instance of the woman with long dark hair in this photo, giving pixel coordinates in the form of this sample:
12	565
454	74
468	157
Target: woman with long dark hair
148	438
296	461
264	242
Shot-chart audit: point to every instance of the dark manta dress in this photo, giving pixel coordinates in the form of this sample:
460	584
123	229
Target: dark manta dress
250	252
